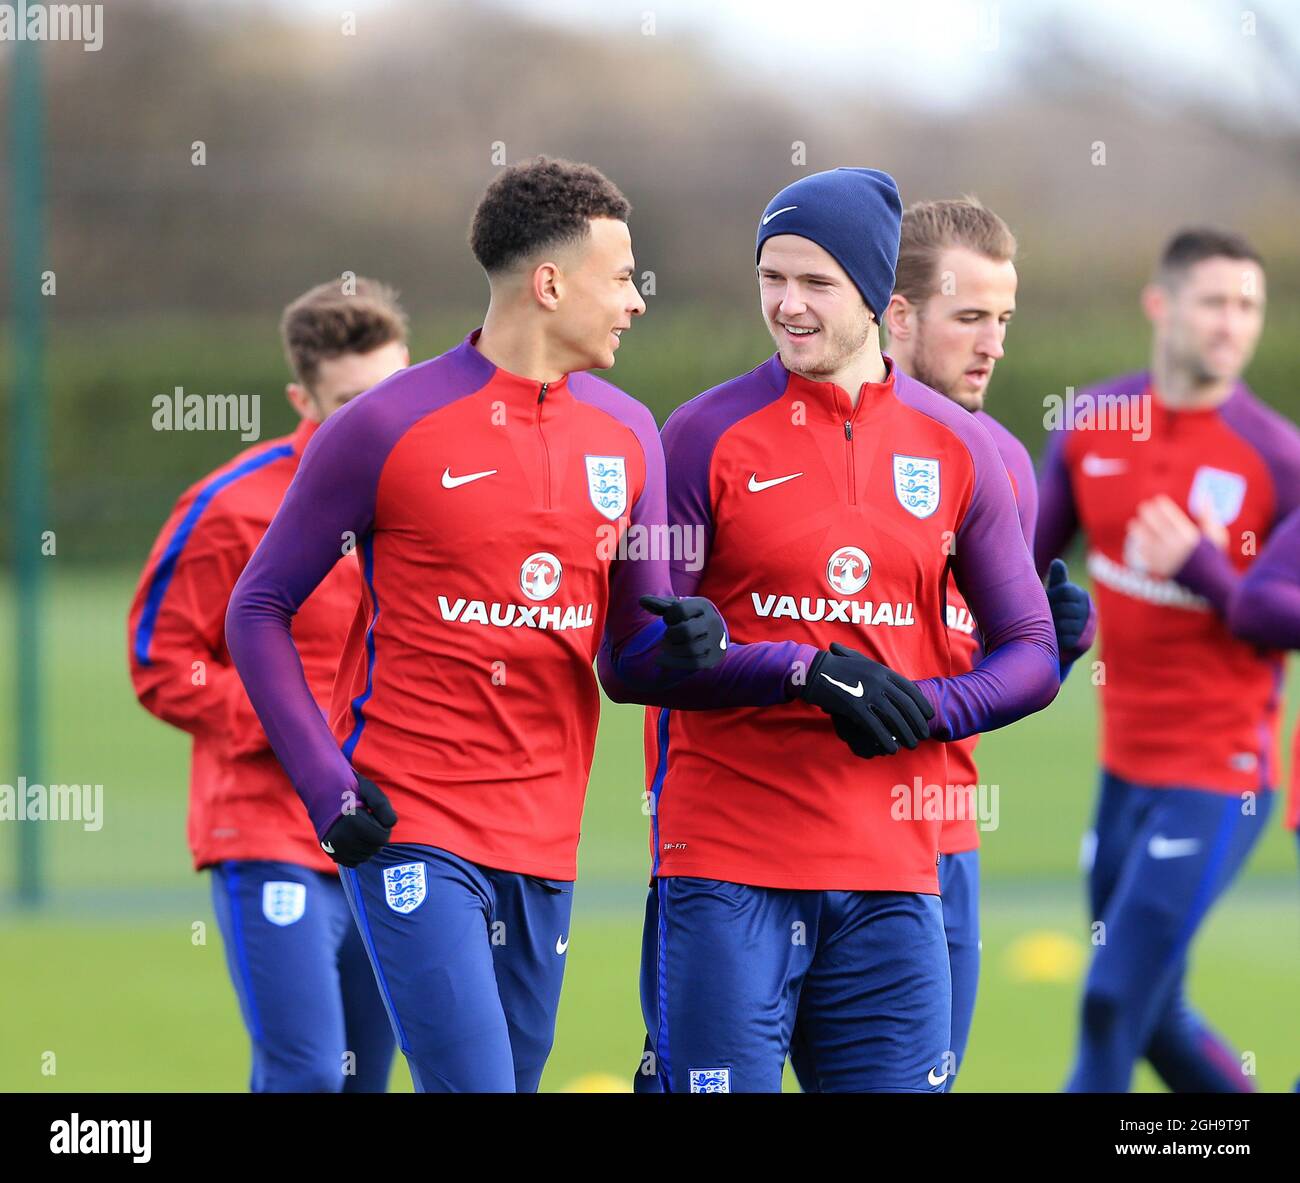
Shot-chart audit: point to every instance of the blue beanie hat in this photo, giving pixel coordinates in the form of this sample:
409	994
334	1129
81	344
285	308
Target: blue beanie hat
855	214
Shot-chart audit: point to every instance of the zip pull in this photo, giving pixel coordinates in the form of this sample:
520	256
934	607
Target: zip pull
848	430
541	394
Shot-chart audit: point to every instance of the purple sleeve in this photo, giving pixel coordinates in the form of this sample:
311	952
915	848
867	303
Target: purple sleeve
329	504
1209	573
749	675
1019	672
1022	468
627	662
328	508
1057	518
1016	458
1258	615
1275	439
632	633
1266	607
757	674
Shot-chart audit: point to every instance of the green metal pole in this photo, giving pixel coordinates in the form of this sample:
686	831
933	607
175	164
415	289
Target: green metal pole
28	462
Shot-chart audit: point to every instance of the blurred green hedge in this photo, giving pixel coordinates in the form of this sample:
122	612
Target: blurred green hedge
113	478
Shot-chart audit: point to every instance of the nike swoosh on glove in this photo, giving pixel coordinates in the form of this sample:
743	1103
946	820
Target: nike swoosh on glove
696	635
1071	606
873	708
363	830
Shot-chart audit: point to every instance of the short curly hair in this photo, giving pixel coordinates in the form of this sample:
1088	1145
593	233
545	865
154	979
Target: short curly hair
539	204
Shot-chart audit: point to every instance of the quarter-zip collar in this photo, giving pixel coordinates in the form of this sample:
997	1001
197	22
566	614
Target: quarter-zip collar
832	401
830	404
514	389
1167	417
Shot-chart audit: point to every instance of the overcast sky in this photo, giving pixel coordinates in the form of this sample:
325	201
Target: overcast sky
945	52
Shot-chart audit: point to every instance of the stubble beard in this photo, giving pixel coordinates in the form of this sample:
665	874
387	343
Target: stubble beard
925	373
839	350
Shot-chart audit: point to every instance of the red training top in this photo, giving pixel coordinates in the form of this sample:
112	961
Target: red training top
242	805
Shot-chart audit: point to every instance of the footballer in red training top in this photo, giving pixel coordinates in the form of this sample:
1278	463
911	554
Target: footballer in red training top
1167	472
836	496
481	490
949	335
298	964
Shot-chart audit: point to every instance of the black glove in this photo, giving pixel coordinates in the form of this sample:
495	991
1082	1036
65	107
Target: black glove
862	743
1071	606
362	833
696	637
874	709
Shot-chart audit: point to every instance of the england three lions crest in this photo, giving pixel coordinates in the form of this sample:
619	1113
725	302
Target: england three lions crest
607	485
404	887
284	902
1217	492
916	484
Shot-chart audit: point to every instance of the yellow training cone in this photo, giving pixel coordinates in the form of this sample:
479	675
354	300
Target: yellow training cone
598	1082
1045	957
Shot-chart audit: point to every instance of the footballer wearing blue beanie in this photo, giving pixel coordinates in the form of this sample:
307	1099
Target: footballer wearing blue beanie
854	214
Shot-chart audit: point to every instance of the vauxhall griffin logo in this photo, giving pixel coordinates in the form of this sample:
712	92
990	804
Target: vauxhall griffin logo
539	577
848	570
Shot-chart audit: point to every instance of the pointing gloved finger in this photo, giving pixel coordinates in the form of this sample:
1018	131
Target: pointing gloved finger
670	610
